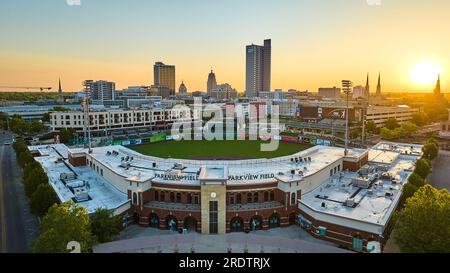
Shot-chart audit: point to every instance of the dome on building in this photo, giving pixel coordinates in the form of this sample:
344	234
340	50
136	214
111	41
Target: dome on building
182	89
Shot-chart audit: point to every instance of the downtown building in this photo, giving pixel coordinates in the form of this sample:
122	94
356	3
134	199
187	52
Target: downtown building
164	79
258	69
100	90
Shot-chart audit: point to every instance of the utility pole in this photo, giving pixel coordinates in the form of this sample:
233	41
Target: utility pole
346	87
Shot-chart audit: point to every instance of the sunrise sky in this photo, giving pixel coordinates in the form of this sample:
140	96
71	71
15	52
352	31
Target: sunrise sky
314	42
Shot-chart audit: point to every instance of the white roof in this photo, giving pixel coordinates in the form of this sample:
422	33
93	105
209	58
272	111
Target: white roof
239	171
102	194
374	205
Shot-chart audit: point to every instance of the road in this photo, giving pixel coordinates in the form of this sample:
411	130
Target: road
18	227
441	170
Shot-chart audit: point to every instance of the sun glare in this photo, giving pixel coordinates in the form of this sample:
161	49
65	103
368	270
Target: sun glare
425	73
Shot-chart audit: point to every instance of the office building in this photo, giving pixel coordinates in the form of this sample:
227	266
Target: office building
330	93
100	90
164	76
211	84
258	68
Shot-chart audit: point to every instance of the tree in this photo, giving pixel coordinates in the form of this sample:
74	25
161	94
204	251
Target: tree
430	150
32	182
388	134
46	117
423	167
104	225
420	119
65	135
409	190
371	127
391	124
423	225
36	127
24	158
62	224
416	180
42	199
408	129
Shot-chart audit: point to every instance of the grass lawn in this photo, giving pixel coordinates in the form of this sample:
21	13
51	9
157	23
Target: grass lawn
245	149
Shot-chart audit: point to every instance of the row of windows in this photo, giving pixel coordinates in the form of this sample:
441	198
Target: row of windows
335	170
175	197
95	167
252	197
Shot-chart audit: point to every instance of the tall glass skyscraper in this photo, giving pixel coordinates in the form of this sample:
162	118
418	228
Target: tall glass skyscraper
258	66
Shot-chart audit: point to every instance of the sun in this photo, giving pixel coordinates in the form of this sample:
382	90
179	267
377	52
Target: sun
425	73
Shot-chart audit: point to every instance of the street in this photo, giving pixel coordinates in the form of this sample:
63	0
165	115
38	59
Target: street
441	169
17	225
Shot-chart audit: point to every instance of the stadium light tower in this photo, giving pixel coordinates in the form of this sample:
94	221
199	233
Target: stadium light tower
346	87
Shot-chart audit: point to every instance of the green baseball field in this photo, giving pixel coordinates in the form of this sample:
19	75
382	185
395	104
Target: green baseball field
221	150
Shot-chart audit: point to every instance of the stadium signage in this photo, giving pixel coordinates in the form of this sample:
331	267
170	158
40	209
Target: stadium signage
175	177
251	176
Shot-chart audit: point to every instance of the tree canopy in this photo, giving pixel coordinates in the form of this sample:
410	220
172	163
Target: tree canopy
42	199
104	225
62	224
423	225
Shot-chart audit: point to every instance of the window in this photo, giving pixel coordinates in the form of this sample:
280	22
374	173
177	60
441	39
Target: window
178	197
238	198
339	168
232	199
156	196
331	172
249	197
213	217
272	196
189	198
172	197
162	197
101	172
293	201
266	196
134	198
255	197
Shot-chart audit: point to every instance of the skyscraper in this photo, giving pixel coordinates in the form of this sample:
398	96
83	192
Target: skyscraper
378	94
258	68
211	84
164	75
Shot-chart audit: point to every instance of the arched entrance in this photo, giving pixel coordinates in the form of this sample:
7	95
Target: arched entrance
256	223
190	223
136	218
171	223
153	220
292	217
237	224
274	221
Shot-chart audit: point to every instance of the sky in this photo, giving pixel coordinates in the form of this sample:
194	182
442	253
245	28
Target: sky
315	43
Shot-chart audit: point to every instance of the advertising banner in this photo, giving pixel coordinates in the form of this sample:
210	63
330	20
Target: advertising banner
289	139
157	138
126	143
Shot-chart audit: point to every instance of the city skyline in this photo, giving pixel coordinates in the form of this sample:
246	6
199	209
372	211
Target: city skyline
314	44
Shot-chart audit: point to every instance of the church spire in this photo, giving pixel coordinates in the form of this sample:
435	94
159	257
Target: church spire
437	90
367	86
379	86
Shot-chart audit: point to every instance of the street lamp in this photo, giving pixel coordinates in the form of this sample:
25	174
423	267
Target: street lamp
346	88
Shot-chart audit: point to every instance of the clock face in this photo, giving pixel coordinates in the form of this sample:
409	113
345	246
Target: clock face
213	195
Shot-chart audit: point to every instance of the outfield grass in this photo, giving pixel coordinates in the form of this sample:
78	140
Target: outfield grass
246	149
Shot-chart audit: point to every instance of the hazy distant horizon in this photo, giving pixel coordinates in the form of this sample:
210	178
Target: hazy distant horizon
314	43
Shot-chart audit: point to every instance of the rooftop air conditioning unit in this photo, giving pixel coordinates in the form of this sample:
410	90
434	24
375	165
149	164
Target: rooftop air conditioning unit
350	202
